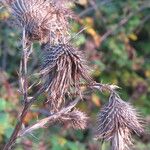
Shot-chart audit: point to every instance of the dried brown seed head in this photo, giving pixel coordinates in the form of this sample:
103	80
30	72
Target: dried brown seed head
116	121
43	20
75	119
64	67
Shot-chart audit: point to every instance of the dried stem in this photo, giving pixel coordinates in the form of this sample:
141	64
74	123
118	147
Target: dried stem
23	68
24	91
104	87
51	118
121	23
14	135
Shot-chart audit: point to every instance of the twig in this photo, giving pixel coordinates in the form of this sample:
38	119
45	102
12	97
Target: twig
122	23
76	35
147	18
23	67
111	31
83	13
53	117
111	88
101	87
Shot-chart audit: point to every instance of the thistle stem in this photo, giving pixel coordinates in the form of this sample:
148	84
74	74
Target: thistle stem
14	135
24	91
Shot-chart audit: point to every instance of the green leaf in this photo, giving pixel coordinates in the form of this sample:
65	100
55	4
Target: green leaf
2	104
8	132
4	122
81	40
75	146
4	119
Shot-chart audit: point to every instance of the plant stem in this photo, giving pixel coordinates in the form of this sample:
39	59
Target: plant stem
17	129
24	90
14	135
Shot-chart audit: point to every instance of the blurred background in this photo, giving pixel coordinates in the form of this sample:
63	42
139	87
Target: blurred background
117	45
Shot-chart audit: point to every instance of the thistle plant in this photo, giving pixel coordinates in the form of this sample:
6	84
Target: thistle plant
63	71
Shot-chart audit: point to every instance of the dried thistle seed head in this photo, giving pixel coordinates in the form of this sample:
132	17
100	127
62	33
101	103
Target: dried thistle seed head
116	121
64	67
75	119
29	15
42	19
121	140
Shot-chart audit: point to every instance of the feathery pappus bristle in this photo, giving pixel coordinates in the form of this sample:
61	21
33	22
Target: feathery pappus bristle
116	122
64	67
43	20
75	119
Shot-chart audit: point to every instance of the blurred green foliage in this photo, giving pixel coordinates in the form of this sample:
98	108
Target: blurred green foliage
117	44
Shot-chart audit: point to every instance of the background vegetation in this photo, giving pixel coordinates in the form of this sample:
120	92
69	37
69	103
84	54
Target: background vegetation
117	44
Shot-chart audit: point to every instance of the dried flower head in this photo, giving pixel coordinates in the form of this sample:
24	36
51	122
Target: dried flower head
116	121
75	119
43	20
64	67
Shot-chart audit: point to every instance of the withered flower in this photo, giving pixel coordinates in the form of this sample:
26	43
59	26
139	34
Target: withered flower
63	69
116	122
43	20
75	119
